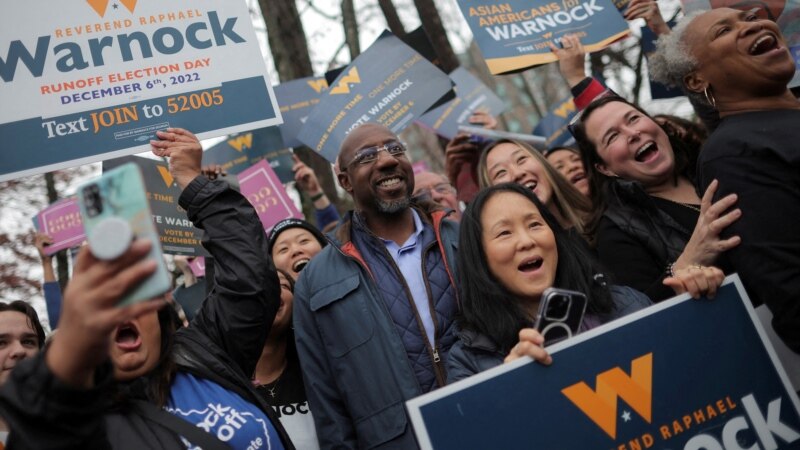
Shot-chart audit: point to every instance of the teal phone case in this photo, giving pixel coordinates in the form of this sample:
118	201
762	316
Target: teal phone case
122	194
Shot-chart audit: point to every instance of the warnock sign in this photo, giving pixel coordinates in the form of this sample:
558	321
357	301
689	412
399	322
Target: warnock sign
91	80
516	34
682	374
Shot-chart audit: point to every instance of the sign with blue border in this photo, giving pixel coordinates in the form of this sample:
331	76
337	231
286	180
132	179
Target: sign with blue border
389	83
94	80
516	34
682	374
471	96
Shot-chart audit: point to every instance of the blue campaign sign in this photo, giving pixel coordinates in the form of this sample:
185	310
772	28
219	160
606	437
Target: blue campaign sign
90	82
296	99
242	150
554	125
471	95
683	374
389	83
516	34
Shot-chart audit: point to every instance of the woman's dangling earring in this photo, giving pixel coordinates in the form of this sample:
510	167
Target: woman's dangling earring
710	98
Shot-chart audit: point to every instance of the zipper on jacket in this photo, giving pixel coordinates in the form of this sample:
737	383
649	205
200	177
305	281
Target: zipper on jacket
433	354
438	367
377	295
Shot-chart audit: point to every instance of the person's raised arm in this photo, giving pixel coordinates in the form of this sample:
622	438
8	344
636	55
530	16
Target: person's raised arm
239	311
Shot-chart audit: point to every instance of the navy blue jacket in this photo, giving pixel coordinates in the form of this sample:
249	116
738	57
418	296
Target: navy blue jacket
356	366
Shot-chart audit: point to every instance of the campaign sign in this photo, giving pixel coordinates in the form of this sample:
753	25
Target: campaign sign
176	232
389	83
516	34
554	125
93	80
62	222
471	95
297	98
242	150
264	191
683	374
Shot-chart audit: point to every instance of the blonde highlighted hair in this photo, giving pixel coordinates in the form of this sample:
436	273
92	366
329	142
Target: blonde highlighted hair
572	206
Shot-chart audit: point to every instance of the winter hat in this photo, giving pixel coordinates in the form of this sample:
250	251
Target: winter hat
286	224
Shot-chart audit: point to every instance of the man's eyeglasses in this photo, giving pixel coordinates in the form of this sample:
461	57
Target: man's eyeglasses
441	189
370	154
578	118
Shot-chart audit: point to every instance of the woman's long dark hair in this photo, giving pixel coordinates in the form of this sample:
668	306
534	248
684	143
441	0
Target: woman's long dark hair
487	307
685	159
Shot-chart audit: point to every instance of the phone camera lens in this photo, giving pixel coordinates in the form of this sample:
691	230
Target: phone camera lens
558	308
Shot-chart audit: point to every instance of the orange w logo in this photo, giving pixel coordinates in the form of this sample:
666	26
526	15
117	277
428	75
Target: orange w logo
601	404
343	87
318	84
100	6
165	175
240	142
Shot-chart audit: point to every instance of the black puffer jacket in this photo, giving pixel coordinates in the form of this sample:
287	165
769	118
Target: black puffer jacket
222	344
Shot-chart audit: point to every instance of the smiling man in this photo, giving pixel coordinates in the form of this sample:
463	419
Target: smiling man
374	311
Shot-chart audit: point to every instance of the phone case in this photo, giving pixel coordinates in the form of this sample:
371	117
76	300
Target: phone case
555	321
121	194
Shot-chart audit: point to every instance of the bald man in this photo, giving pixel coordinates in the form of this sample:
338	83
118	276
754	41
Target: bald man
374	311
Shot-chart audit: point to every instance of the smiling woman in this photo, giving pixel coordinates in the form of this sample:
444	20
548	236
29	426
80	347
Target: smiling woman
512	249
511	161
648	220
740	64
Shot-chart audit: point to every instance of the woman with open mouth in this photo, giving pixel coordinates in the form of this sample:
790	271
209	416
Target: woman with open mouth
740	64
511	249
567	160
648	219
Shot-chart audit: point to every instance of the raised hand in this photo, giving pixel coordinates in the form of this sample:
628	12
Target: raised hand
571	59
90	313
184	152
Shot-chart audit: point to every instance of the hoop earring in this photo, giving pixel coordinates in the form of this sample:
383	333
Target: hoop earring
710	98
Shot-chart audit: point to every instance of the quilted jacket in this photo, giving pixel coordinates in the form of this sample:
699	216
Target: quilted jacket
362	352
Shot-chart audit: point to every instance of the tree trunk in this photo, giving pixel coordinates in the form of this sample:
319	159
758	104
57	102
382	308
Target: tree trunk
392	18
287	41
62	269
350	28
432	24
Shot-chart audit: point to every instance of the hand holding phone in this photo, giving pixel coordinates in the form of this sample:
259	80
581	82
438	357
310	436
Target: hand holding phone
560	314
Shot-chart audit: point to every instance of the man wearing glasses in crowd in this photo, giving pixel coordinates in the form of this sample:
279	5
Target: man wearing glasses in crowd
373	313
437	188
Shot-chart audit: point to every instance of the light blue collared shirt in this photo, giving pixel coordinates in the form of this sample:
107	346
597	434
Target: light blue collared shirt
408	258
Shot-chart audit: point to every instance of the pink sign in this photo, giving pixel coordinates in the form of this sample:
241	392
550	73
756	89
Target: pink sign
266	193
198	266
419	167
62	221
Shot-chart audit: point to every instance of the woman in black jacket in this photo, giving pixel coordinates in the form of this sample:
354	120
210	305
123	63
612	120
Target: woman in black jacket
72	397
